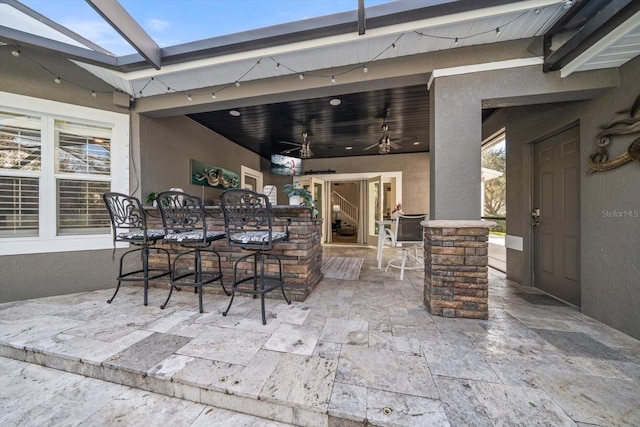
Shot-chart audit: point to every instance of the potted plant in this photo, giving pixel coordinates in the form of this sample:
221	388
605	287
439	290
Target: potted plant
151	198
304	196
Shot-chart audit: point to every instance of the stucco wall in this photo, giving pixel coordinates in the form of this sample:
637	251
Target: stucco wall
35	275
23	76
168	145
414	168
610	202
610	243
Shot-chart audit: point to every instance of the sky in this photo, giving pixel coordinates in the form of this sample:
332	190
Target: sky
172	22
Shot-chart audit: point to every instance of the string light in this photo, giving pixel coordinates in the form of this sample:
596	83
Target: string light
456	41
568	4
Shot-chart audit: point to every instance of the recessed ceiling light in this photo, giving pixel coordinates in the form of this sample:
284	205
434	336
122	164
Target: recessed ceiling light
416	143
234	113
335	101
348	148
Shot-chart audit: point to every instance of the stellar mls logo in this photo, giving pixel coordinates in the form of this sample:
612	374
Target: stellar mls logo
621	214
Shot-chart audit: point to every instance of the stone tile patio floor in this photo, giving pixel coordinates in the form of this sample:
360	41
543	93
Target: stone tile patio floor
354	352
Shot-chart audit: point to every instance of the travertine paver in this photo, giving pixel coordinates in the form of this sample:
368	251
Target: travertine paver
363	351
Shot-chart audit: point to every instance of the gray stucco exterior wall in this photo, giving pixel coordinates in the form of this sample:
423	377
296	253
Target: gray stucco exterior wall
610	201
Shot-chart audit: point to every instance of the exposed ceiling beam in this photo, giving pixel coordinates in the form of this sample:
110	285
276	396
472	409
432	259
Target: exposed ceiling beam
52	24
605	20
128	28
362	23
20	38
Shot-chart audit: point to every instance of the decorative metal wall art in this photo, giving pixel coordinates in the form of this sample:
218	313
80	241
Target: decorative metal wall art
626	122
213	176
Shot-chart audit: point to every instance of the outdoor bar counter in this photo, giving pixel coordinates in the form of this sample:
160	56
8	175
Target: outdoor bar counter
301	256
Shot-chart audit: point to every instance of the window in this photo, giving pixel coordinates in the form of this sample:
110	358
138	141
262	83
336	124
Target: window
56	161
20	151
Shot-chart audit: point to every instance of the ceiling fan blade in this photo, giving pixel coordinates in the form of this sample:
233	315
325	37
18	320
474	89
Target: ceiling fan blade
394	145
290	143
371	146
289	151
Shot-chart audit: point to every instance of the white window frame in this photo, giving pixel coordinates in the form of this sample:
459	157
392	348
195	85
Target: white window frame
247	172
48	241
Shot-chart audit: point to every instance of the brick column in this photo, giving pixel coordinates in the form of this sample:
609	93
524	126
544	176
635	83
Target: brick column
456	255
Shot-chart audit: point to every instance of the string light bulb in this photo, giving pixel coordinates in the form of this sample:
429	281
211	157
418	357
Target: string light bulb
456	42
93	93
333	79
365	69
15	53
393	45
277	65
57	80
568	4
237	83
189	98
213	95
301	76
498	32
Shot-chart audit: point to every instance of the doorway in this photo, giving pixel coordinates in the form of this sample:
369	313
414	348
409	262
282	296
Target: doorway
556	215
357	196
345	211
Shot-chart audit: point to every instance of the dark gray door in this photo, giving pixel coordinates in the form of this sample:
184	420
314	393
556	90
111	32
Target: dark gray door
556	215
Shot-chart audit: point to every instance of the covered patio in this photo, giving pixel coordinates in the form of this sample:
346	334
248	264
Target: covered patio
356	352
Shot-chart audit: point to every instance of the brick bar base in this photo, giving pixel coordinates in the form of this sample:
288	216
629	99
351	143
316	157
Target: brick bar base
456	255
301	256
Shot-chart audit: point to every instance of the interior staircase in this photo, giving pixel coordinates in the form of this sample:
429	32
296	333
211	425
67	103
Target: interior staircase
348	213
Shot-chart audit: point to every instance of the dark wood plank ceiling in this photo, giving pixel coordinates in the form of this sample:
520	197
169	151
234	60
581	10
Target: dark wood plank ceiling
356	122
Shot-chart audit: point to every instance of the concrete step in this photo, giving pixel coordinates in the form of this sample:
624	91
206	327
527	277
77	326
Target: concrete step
60	398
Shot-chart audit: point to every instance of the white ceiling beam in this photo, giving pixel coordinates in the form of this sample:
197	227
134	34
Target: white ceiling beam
438	21
128	28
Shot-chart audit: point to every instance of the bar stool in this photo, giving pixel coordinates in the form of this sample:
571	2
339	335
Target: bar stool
408	233
249	224
185	225
129	224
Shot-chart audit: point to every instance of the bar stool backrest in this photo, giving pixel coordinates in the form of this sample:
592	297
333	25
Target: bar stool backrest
128	220
408	228
249	220
183	214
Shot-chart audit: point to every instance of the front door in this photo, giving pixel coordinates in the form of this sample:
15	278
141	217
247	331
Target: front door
556	215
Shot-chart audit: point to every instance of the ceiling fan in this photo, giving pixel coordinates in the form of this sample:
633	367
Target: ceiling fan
304	147
384	144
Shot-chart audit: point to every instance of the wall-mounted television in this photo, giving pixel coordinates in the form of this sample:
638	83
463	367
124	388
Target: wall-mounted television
285	165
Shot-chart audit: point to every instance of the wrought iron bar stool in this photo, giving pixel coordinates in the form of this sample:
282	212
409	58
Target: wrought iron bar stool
249	224
129	224
185	225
